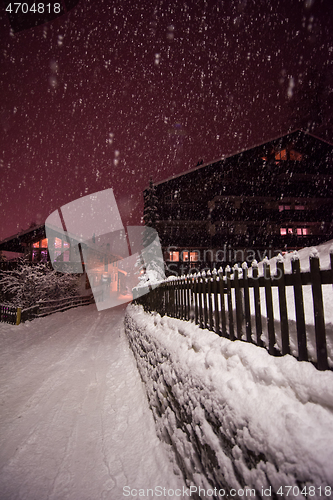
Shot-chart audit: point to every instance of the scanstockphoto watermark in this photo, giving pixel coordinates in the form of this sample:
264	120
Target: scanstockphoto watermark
187	492
224	255
190	261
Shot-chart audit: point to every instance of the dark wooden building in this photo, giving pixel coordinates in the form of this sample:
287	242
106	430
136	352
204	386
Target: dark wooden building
30	243
33	245
272	198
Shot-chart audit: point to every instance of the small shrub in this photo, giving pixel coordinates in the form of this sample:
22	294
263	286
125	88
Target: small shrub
28	283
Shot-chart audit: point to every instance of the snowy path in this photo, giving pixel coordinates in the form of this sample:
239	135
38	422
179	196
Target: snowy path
74	418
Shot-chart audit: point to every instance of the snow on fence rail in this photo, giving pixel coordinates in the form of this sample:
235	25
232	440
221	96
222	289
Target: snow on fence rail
230	303
17	315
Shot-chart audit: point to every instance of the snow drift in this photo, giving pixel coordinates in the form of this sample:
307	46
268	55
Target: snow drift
236	417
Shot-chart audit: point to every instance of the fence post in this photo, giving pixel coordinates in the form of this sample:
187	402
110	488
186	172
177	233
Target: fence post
18	315
163	298
172	297
196	298
221	292
210	306
200	289
180	291
238	297
204	284
216	302
230	312
283	306
169	299
181	297
176	297
318	309
247	303
257	306
188	296
299	308
269	307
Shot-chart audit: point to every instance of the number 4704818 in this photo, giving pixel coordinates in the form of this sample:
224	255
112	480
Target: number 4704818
40	8
307	491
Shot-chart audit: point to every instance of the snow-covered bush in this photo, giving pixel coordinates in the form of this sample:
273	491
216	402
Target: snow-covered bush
28	283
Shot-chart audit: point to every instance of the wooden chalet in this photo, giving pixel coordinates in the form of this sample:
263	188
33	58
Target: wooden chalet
275	197
33	245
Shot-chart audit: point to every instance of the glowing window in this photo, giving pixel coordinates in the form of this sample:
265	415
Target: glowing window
57	253
66	244
66	256
34	255
35	245
295	156
302	231
57	243
299	207
194	256
43	256
185	256
286	230
174	256
281	155
43	243
284	207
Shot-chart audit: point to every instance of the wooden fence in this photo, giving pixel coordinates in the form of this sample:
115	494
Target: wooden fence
224	301
17	315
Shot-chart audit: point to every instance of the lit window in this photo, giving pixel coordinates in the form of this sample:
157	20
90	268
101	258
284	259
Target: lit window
283	231
57	243
290	230
66	256
56	254
43	243
281	155
302	231
184	256
174	256
43	256
194	256
36	245
34	256
294	155
66	244
299	207
284	207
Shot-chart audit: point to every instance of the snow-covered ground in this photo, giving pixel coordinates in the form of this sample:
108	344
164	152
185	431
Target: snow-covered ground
74	419
274	415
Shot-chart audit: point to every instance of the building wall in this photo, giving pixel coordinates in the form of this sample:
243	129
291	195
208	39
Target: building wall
277	196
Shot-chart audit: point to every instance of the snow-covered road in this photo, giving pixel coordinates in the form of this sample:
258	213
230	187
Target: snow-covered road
74	418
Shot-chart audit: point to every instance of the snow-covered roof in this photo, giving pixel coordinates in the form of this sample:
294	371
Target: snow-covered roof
14	243
224	157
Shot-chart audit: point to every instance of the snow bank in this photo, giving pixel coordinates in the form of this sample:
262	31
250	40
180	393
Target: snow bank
323	251
237	417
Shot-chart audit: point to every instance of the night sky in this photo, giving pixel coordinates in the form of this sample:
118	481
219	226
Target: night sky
115	92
